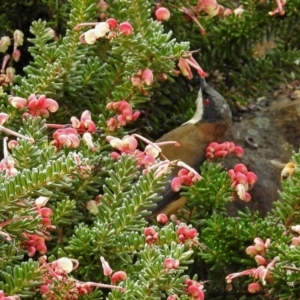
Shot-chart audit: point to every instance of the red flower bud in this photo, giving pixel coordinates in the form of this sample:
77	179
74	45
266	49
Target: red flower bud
126	28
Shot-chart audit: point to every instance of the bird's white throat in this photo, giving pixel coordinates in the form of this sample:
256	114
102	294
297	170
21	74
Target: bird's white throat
199	110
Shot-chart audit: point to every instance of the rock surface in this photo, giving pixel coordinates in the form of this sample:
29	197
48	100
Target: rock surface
269	132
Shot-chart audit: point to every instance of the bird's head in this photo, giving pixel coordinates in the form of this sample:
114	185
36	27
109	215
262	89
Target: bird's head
211	106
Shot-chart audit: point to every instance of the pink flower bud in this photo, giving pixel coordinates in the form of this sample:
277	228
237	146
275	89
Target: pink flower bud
46	212
126	28
44	289
135	115
16	55
176	184
221	154
231	174
254	287
112	124
106	268
162	219
50	104
115	156
147	76
251	250
191	233
227	12
168	263
162	14
3	118
41	248
251	177
112	23
31	251
119	276
240	168
129	142
17	102
212	146
183	172
209	6
186	180
11	144
149	231
173	297
261	261
238	151
195	292
241	178
247	197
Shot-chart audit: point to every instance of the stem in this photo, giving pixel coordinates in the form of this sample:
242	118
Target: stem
8	131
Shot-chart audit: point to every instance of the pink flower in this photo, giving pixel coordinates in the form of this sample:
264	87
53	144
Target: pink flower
162	219
118	276
254	287
106	268
147	77
211	7
112	23
66	137
126	28
3	118
162	14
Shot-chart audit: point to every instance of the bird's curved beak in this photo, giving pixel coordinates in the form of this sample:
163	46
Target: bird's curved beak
203	83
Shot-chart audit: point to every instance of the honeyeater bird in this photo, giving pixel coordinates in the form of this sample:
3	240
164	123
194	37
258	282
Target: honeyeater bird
209	124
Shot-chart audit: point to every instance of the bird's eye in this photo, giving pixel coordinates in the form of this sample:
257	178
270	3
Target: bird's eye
206	102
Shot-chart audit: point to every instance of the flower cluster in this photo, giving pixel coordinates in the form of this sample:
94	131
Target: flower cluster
68	136
128	145
8	73
34	243
108	29
40	106
262	273
85	124
56	278
151	236
242	181
142	78
184	177
186	234
65	137
125	114
215	150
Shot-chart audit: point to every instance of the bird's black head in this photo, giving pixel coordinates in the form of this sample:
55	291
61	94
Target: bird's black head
211	106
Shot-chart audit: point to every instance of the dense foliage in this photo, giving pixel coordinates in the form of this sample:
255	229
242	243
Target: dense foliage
76	193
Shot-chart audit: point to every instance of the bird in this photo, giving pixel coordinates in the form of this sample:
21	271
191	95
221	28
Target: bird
209	124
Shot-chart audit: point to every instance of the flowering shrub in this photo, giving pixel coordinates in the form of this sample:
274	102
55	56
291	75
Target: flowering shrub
79	182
